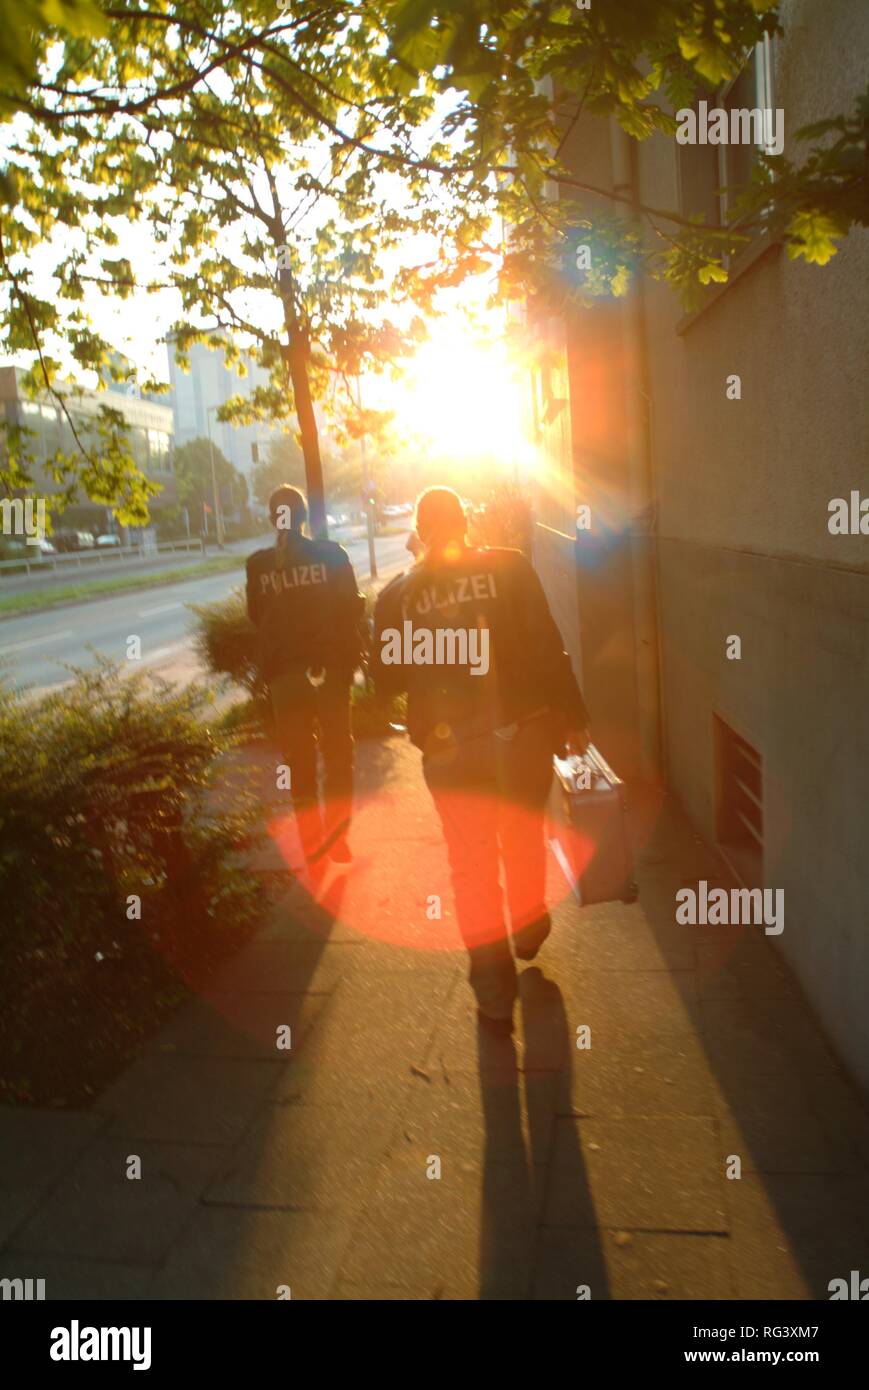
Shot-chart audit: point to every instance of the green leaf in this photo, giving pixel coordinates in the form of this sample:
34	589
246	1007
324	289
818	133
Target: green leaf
811	236
712	272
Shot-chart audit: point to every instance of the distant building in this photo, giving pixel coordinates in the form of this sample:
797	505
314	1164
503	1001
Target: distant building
149	431
709	503
197	393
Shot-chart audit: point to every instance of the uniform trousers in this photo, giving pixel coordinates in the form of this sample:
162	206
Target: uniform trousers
490	793
308	717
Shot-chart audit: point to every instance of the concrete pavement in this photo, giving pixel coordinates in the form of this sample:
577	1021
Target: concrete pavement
395	1153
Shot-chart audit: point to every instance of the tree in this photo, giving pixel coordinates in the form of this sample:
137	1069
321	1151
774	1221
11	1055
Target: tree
518	78
193	480
304	169
257	145
280	199
284	463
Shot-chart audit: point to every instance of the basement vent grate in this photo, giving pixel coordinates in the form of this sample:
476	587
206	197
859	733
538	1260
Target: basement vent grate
739	803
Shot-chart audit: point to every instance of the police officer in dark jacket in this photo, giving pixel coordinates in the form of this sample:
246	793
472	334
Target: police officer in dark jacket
491	695
303	600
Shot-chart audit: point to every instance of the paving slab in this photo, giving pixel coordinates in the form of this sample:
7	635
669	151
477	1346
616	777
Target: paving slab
613	1080
37	1148
728	969
744	1037
473	1120
632	1265
636	1174
387	1293
468	1234
73	1279
619	937
244	1254
791	1234
624	1007
840	1112
221	1024
299	917
98	1212
200	1100
281	966
776	1139
374	1032
301	1157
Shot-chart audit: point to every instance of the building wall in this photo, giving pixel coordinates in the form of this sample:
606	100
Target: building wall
588	433
210	383
744	548
149	428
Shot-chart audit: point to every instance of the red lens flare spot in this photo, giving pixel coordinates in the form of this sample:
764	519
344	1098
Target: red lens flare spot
399	889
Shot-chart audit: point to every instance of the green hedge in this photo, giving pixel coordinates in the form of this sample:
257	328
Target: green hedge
105	792
226	641
227	644
112	789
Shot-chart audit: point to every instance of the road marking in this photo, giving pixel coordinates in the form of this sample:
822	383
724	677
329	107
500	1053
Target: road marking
162	608
32	642
164	651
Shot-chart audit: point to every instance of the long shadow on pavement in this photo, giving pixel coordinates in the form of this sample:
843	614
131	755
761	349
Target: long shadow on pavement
516	1181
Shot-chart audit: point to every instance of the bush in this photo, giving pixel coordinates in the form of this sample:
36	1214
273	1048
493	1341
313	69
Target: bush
102	795
109	788
226	641
374	715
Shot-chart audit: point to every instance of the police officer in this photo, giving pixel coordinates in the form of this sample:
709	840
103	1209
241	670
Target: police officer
491	695
303	600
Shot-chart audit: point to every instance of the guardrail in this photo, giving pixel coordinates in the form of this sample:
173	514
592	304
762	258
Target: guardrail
41	564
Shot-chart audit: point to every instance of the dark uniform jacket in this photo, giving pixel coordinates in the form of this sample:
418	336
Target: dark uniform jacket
303	600
496	591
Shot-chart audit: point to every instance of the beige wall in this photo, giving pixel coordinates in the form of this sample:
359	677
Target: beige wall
742	491
744	547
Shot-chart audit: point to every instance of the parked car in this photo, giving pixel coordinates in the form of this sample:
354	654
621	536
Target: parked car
109	540
73	540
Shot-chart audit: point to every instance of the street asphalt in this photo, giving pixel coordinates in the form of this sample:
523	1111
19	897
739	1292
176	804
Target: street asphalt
37	648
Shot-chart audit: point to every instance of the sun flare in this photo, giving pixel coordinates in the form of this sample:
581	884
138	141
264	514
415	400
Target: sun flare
462	398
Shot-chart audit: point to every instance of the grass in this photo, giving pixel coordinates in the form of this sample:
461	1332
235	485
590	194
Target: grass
70	593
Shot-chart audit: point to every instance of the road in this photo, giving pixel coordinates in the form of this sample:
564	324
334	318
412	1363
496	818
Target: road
36	648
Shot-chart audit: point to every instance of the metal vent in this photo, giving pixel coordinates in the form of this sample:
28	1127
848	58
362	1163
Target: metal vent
739	803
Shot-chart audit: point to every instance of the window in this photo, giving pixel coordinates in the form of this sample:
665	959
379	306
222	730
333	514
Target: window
739	803
158	451
137	443
712	175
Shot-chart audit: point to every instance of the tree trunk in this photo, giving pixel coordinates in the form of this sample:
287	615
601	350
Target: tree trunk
297	354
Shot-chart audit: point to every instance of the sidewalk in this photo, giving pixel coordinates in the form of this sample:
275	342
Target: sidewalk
559	1167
